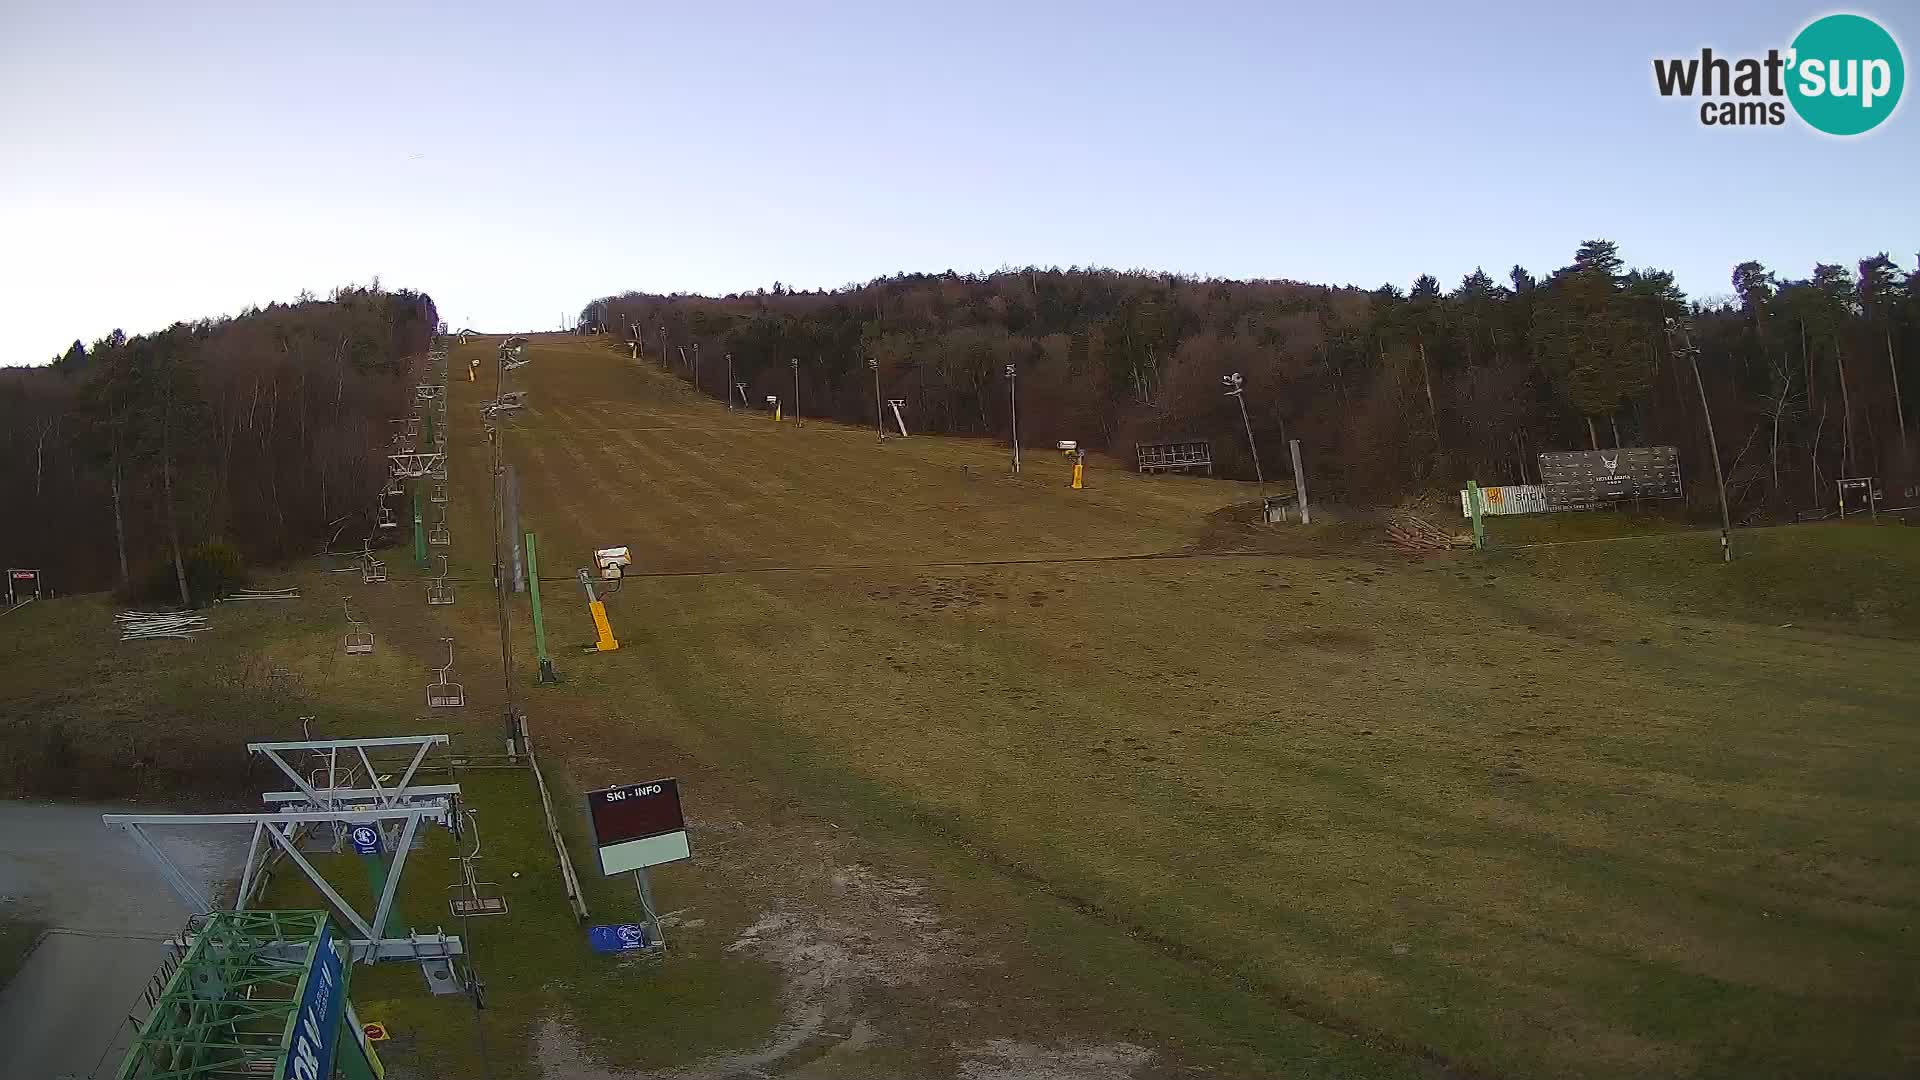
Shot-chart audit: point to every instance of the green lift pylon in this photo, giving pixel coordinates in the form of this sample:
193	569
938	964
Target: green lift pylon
548	676
259	993
419	533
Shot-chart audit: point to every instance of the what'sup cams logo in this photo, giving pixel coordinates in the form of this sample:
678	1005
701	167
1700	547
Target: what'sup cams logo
1842	75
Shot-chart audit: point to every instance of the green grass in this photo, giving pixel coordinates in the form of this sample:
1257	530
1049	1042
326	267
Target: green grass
1586	809
1852	577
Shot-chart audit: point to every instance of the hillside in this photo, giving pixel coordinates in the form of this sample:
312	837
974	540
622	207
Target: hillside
974	784
1391	390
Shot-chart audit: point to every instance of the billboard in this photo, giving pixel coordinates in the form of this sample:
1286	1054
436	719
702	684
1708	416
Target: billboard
1594	479
638	825
1506	499
22	585
316	1023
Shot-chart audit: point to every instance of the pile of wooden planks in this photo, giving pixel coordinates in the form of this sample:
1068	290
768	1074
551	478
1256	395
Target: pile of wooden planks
1415	534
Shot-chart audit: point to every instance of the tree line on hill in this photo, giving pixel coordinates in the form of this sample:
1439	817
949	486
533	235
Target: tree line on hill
1389	391
256	437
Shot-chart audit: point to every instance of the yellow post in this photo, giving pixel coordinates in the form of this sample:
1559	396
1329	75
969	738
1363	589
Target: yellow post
603	628
1078	466
776	412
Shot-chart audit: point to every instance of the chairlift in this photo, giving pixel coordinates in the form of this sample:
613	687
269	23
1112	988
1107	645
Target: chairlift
480	897
445	693
393	487
440	591
358	642
372	570
386	519
439	494
438	535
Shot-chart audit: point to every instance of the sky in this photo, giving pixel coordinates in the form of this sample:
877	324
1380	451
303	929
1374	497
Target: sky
175	161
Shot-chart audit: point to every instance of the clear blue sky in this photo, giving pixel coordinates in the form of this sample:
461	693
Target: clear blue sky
165	161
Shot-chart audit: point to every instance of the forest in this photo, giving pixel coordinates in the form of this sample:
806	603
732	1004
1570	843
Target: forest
260	436
1390	391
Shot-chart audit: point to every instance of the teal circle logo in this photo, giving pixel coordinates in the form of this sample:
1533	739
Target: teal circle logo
1846	76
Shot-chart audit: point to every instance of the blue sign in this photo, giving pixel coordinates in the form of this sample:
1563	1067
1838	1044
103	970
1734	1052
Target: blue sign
317	1021
615	939
366	839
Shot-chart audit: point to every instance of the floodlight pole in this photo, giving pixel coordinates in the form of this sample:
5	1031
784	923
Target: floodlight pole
1013	408
1236	389
1692	353
879	417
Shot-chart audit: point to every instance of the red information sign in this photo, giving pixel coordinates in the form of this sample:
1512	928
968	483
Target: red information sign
638	825
636	811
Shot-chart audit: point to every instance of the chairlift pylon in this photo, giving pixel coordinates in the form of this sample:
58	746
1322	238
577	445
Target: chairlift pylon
358	642
444	693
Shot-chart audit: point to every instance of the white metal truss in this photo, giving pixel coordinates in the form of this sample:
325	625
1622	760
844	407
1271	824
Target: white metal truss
323	790
414	465
280	829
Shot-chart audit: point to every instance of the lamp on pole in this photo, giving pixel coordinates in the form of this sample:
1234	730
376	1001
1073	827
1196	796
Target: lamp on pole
663	346
1236	389
1013	407
1681	342
879	419
794	363
727	390
696	365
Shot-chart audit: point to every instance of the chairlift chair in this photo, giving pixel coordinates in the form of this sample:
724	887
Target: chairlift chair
440	590
439	468
393	487
445	693
472	897
438	535
439	494
358	642
372	570
386	519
